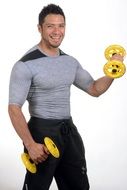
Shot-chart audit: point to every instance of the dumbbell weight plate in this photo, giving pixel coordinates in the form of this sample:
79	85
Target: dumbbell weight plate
114	49
114	69
28	164
52	148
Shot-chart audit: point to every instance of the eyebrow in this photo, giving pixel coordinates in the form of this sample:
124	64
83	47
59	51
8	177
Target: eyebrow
62	23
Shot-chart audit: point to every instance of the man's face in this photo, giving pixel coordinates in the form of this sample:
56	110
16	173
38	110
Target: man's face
53	30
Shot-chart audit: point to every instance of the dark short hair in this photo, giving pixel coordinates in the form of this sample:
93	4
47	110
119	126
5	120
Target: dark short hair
50	9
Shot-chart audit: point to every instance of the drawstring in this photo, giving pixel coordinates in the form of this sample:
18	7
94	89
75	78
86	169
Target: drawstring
65	127
26	186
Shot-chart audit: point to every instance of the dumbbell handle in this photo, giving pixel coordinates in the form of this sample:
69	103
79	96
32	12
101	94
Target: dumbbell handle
114	68
52	148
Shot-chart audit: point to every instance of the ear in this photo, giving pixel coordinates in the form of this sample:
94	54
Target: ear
39	28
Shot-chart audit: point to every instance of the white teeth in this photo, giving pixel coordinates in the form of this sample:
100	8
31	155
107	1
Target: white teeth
55	37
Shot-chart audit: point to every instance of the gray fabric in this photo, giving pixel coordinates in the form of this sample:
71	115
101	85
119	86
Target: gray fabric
45	82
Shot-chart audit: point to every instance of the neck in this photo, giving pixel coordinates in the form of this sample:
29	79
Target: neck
51	51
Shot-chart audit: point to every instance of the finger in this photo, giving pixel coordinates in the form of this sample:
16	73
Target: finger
40	160
36	162
46	150
45	156
118	57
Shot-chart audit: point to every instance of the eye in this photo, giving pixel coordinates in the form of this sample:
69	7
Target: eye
49	26
62	26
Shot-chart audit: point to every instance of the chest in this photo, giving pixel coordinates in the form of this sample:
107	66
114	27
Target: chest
50	75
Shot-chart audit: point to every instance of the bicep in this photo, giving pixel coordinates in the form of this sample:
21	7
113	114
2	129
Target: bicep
83	79
20	81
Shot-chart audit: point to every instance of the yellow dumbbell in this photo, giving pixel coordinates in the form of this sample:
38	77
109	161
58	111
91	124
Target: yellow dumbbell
114	68
52	148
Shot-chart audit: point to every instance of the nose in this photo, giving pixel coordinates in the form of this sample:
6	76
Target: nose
56	30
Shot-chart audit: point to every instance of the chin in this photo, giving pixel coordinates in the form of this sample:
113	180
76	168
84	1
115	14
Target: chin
55	45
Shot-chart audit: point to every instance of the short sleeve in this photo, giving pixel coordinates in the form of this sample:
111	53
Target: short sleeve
20	81
82	78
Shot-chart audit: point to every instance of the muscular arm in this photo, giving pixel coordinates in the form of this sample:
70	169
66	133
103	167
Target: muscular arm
19	122
99	86
102	84
20	82
38	152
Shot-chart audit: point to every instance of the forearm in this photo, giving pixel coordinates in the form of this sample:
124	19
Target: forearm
103	84
37	152
19	122
100	86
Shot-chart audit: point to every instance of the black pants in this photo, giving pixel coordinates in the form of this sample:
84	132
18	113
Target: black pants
69	170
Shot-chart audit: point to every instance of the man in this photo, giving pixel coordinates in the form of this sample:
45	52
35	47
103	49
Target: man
43	76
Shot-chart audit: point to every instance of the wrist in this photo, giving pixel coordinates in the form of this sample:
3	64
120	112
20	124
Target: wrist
28	144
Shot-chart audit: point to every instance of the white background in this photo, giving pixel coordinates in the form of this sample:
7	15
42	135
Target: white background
91	27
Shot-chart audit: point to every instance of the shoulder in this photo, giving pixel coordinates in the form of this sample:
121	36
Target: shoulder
20	68
33	54
69	58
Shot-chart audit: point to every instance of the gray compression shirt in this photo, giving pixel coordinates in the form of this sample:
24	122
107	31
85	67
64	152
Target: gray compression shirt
45	83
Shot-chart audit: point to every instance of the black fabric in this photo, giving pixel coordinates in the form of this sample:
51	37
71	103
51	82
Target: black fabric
35	55
69	170
32	55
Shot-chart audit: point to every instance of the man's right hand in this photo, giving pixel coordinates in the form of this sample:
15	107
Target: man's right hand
38	152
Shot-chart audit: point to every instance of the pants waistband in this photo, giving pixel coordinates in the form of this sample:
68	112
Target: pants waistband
52	121
64	125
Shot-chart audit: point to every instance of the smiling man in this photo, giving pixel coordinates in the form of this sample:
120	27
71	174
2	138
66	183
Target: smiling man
43	77
52	31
